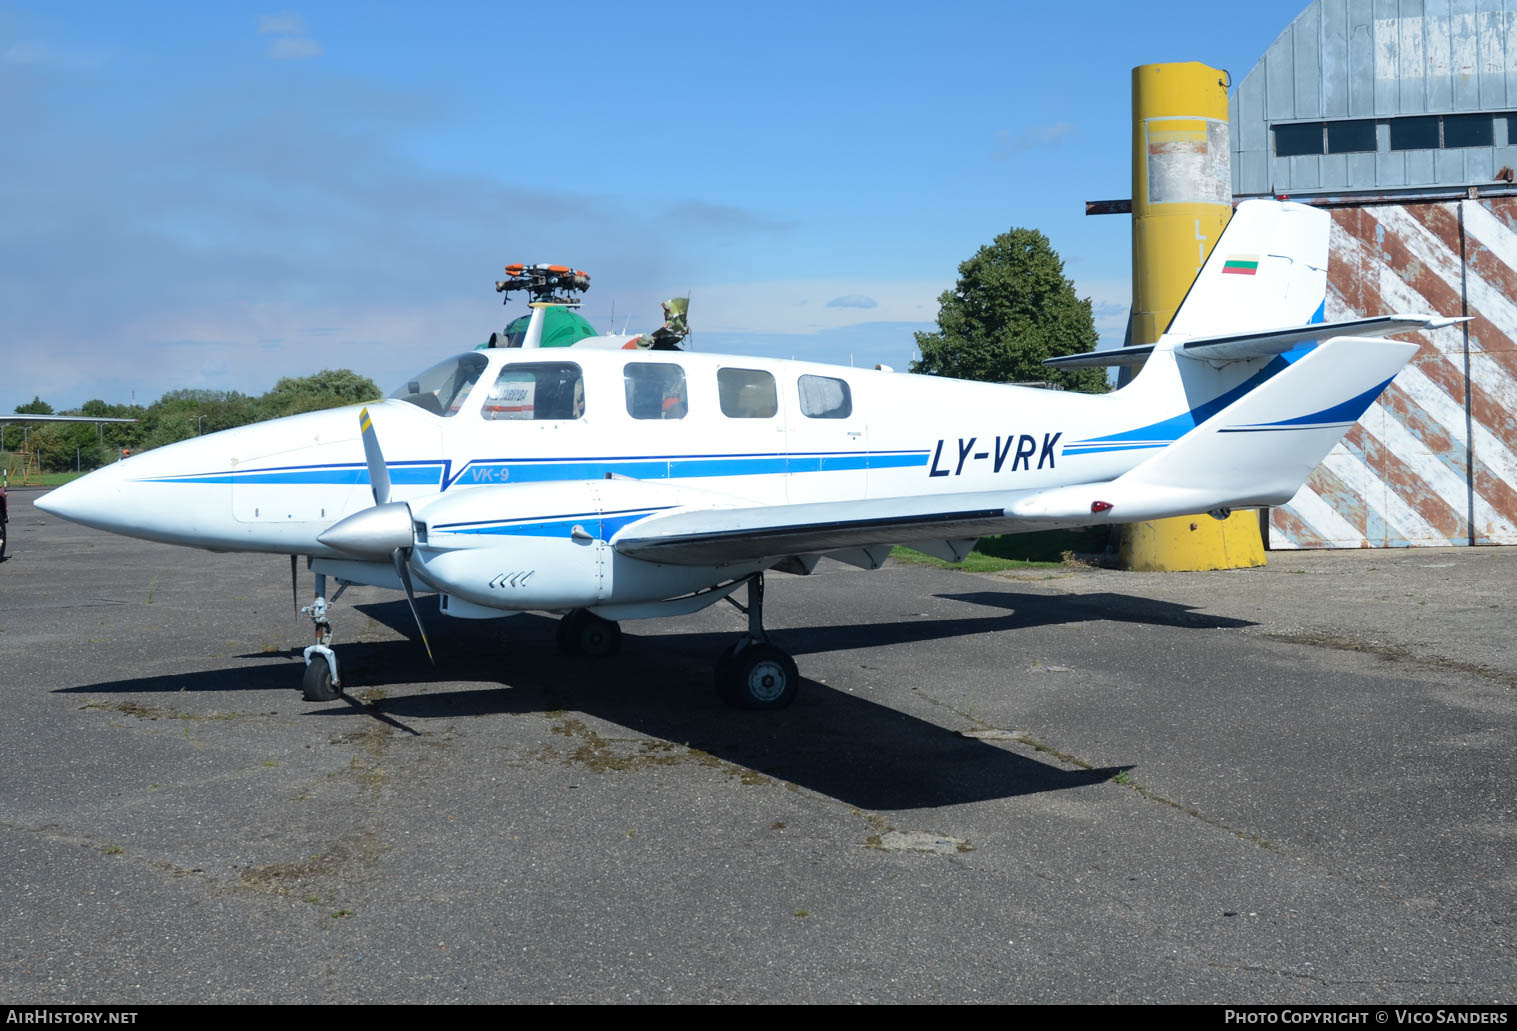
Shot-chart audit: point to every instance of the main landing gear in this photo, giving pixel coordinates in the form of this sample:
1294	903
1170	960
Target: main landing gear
753	673
581	632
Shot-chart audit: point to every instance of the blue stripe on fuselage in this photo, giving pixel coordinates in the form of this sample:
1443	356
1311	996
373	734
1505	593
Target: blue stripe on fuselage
536	470
1161	434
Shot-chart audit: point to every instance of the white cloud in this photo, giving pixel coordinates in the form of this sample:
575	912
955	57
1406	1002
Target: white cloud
286	23
41	55
1110	302
1027	139
25	53
853	301
293	43
293	48
780	306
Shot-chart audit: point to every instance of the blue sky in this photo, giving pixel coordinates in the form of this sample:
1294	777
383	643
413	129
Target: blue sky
216	195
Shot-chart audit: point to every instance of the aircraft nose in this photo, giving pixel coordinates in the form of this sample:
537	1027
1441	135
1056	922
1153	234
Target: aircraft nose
121	497
94	499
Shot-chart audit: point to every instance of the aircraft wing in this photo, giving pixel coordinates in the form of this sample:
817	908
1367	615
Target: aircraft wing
1237	347
712	536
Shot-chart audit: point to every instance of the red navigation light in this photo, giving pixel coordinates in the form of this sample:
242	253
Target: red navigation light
1100	506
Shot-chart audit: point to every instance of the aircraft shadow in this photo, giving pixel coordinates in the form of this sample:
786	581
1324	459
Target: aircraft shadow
1042	610
833	742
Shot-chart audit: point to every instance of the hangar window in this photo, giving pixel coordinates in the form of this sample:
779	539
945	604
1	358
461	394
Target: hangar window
537	390
747	393
1468	131
823	397
1354	137
1298	140
655	390
1414	133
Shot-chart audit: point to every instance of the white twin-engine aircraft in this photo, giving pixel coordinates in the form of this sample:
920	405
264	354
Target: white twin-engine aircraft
611	484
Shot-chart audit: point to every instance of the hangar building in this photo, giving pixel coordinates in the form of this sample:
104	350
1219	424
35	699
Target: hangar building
1400	118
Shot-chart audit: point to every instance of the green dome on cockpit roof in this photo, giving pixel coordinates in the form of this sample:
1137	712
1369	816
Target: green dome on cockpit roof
562	327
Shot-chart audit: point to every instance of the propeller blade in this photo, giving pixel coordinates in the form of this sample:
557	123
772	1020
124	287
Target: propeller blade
294	585
379	473
398	556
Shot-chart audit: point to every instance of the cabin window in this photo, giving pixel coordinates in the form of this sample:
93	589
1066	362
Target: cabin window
444	387
747	393
823	397
537	391
655	390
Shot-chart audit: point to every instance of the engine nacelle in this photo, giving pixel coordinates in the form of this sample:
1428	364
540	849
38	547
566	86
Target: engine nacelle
544	545
520	573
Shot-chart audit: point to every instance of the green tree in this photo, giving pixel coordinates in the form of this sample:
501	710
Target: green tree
329	388
36	406
179	415
1012	308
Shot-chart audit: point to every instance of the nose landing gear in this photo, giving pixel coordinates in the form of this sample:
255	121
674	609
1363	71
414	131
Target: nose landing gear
321	682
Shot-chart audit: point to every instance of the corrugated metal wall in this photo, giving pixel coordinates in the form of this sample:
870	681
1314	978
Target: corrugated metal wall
1434	461
1378	59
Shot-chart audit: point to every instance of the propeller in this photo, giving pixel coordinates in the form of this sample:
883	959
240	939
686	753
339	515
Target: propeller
385	529
379	473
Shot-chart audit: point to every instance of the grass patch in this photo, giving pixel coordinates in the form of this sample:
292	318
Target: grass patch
1042	550
46	479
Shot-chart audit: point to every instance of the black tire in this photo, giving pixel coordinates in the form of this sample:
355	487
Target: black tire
584	633
567	631
316	685
723	670
757	676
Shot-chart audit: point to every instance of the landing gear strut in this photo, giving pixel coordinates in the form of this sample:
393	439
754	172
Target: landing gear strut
321	682
582	632
753	673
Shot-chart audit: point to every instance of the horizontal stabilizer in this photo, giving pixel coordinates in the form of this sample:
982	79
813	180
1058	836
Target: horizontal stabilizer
1117	356
1237	347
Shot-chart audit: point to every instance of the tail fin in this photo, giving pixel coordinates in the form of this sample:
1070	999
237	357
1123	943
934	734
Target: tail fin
1268	268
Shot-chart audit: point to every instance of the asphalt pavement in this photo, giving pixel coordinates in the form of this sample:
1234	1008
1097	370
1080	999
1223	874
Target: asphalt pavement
1291	785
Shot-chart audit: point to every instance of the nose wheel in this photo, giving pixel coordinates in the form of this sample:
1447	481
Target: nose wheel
753	673
321	682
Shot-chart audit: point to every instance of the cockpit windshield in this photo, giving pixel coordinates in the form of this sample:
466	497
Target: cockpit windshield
444	387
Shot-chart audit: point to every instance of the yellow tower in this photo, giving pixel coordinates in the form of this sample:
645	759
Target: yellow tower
1181	201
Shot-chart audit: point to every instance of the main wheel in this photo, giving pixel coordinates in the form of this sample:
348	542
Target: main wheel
581	632
758	676
317	682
